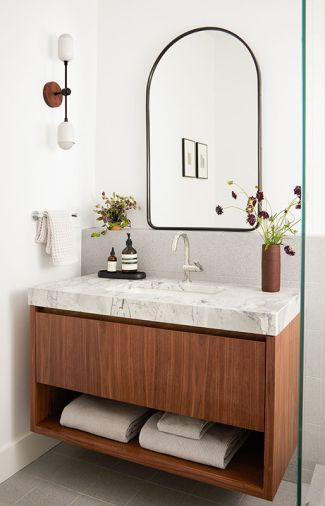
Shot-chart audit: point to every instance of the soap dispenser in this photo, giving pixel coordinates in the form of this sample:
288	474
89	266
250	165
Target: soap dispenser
112	262
129	257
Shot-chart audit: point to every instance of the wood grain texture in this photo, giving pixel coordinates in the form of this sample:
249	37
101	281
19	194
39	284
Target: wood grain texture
223	378
281	407
244	473
46	400
211	377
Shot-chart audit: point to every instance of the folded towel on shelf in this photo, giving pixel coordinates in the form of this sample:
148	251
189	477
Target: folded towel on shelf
55	230
104	417
185	426
216	448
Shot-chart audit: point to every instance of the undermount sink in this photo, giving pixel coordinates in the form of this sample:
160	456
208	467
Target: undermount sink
173	287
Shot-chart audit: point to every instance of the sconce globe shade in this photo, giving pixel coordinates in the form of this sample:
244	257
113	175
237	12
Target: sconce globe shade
66	137
65	47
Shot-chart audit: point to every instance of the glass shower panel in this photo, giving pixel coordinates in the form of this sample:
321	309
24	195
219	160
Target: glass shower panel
312	461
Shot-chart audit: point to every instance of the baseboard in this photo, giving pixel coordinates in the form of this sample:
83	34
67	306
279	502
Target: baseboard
20	453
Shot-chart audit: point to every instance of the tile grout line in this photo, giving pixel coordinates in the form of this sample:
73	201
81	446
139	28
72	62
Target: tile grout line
90	497
73	500
242	500
24	495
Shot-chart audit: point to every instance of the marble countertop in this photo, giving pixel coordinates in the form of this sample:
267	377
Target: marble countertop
199	304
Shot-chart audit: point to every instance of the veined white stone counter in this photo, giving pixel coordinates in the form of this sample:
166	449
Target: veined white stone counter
198	304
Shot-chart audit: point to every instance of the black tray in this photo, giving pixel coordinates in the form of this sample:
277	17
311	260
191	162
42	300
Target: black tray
121	275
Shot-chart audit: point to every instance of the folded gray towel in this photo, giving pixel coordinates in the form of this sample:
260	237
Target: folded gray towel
104	417
185	426
216	448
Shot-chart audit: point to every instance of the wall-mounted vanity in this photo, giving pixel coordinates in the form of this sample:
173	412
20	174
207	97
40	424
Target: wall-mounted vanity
227	354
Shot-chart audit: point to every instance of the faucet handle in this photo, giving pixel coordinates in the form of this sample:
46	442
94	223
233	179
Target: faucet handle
199	266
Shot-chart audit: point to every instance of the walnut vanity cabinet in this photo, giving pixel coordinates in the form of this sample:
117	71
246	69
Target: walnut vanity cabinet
245	380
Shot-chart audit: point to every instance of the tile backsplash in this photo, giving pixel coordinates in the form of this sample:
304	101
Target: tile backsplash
227	257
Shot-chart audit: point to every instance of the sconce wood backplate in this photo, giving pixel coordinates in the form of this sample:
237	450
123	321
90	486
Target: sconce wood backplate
52	94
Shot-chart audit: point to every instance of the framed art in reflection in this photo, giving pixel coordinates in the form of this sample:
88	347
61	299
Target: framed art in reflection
188	158
202	160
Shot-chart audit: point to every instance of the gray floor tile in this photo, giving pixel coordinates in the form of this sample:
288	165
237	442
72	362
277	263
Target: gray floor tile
174	482
68	450
100	459
304	492
84	500
45	466
285	496
114	487
136	470
199	501
76	474
154	495
218	495
16	487
47	494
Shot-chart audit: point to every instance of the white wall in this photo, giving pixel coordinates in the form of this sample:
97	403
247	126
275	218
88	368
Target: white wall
35	174
132	34
315	118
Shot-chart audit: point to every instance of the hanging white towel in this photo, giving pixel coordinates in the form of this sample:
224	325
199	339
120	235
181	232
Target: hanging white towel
55	230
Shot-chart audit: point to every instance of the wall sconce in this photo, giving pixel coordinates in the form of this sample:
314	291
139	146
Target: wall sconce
53	94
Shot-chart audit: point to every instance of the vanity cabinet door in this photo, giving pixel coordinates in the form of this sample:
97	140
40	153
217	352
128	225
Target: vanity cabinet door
206	376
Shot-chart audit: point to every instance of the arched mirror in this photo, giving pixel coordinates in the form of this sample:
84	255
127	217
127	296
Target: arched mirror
203	129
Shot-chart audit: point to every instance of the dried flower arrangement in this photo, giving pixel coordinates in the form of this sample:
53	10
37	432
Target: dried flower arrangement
273	227
113	212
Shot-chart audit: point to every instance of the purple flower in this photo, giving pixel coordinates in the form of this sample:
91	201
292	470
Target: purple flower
297	191
251	219
234	195
219	210
289	251
264	215
259	196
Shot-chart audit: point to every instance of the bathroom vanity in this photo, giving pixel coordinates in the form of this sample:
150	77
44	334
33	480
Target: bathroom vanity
218	352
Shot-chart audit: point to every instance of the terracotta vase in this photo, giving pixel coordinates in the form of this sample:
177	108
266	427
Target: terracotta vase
271	268
116	227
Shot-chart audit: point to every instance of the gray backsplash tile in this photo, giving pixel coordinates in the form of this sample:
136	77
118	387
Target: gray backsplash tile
233	257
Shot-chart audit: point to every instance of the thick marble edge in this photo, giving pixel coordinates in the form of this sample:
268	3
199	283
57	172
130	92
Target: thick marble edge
231	307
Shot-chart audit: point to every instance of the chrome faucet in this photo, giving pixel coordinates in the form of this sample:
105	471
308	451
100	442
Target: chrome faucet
187	267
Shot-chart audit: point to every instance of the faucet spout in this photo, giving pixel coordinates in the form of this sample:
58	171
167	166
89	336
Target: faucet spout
187	267
186	245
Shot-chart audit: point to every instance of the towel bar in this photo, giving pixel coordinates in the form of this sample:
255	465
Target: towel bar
36	215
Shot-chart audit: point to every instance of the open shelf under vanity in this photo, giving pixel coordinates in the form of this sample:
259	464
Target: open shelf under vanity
241	380
245	471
